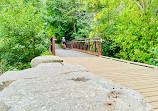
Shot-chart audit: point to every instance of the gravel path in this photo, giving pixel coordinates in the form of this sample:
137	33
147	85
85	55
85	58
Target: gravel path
57	87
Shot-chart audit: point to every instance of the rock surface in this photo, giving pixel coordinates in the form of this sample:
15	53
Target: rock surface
45	59
3	107
57	87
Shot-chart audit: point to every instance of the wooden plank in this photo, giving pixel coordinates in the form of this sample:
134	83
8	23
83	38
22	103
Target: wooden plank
132	77
125	75
150	94
148	89
145	86
155	105
131	80
123	78
152	99
120	74
139	82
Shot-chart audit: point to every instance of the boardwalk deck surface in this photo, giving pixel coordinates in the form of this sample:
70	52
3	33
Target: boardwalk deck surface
141	79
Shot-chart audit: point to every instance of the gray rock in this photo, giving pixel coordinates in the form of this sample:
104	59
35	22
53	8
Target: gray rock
3	107
5	84
45	59
57	87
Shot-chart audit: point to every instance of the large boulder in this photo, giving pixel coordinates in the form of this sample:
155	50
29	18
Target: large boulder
57	87
3	107
45	59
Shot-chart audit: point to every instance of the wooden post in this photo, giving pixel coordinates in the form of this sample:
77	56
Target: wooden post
95	45
89	45
100	48
84	45
53	44
50	46
72	45
77	45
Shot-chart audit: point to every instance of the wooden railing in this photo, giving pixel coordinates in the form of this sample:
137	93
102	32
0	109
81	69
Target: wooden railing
52	46
87	45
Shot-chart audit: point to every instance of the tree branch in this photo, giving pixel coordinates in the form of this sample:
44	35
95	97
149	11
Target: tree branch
139	5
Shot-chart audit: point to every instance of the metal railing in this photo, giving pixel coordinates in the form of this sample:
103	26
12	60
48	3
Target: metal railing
87	45
52	46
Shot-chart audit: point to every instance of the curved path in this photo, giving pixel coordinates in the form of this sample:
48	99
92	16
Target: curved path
141	79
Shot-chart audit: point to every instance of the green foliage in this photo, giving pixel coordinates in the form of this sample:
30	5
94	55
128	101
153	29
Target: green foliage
69	19
154	60
24	66
132	27
21	33
46	53
129	27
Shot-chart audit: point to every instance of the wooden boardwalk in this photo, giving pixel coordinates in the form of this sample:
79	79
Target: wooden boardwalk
141	79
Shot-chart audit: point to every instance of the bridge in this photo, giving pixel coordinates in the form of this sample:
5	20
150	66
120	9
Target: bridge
140	77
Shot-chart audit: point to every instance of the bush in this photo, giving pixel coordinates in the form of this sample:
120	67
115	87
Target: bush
46	53
21	33
154	61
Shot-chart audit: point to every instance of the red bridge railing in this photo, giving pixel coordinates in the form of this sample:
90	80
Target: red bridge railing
87	45
52	46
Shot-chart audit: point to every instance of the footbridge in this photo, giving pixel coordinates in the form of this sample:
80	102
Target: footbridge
87	52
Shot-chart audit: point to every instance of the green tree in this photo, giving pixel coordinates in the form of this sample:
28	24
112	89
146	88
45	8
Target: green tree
21	33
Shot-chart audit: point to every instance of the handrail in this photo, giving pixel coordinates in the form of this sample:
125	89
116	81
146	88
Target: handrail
87	45
88	38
